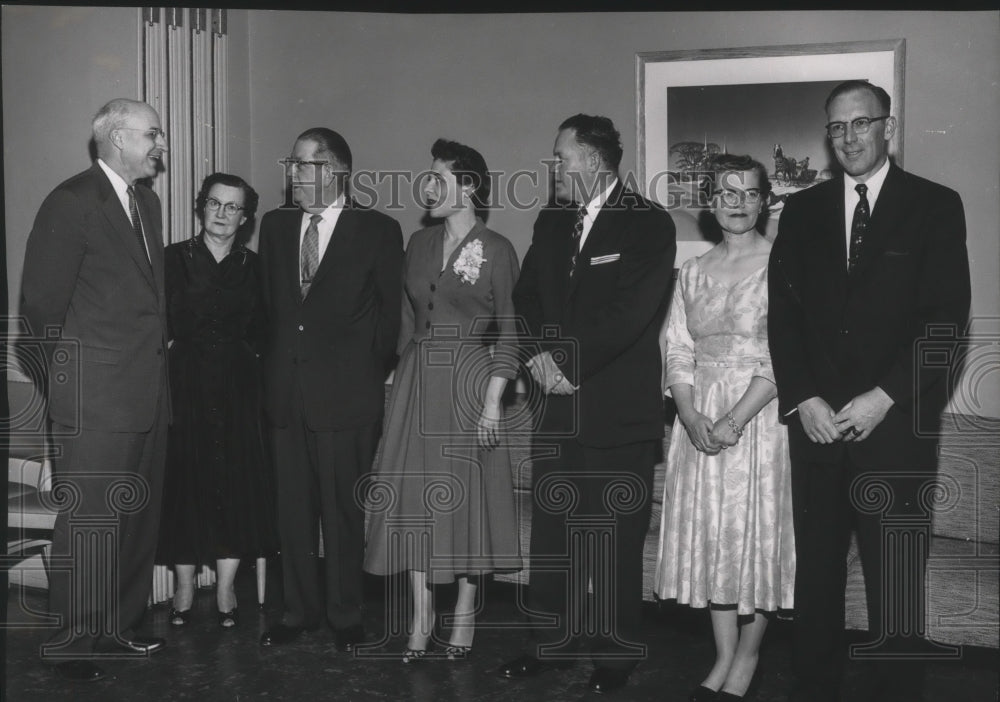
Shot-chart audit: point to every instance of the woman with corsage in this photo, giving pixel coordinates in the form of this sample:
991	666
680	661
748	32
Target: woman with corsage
726	538
441	502
217	504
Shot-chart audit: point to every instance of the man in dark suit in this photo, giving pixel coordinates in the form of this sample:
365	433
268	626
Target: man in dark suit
93	276
864	265
598	274
332	279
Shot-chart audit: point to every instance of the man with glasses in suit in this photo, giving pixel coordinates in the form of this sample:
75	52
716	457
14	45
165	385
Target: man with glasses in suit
93	275
864	265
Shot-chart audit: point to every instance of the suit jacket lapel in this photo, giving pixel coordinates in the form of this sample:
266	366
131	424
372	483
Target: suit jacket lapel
886	211
340	240
835	237
289	247
152	230
122	226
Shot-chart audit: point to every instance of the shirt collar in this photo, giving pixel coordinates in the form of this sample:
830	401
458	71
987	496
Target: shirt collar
594	205
117	182
328	213
874	183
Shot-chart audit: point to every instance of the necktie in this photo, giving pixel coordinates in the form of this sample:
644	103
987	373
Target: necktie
577	234
133	213
862	215
310	253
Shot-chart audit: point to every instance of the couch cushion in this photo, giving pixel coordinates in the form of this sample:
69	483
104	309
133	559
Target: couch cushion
962	592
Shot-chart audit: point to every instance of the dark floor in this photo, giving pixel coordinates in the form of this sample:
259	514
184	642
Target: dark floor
205	663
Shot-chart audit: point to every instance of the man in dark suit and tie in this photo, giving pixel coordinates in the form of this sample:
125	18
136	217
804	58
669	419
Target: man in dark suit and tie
598	273
332	280
864	266
93	276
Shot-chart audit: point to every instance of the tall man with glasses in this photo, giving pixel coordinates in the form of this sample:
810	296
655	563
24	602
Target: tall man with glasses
863	269
93	278
333	284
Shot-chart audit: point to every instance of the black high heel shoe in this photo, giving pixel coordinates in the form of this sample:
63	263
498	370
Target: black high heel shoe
179	618
750	694
228	620
458	653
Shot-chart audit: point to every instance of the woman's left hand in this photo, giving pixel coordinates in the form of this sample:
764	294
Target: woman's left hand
723	434
488	426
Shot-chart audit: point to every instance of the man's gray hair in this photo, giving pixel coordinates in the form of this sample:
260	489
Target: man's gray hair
110	117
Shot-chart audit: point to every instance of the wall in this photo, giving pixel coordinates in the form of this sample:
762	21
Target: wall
49	99
391	84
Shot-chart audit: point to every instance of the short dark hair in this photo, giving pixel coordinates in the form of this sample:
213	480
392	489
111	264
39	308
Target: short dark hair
330	144
469	168
849	86
250	200
723	163
598	133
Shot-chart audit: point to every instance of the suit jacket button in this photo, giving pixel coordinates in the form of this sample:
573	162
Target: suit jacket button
301	328
843	331
430	305
427	325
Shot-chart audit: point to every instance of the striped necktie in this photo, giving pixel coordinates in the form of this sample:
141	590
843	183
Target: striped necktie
310	254
133	213
577	235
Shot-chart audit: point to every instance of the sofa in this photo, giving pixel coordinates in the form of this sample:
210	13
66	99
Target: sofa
962	571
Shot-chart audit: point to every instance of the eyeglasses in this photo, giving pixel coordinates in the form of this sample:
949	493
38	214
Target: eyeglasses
153	133
230	208
296	163
861	125
735	198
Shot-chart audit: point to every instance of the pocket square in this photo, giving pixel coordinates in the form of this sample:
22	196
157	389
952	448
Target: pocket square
610	258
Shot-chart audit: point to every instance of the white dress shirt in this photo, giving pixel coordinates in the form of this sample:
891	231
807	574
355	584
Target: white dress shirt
325	228
593	208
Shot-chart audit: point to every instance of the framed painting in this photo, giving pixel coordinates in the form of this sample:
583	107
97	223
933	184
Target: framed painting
765	101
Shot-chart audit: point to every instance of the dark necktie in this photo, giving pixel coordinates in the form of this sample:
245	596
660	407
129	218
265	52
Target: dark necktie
310	253
862	215
133	213
577	234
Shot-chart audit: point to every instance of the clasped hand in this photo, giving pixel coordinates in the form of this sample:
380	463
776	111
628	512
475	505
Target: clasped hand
548	376
707	436
854	422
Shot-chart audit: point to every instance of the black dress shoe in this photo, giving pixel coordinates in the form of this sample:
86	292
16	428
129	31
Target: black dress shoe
528	666
346	639
145	645
79	671
604	680
280	634
703	694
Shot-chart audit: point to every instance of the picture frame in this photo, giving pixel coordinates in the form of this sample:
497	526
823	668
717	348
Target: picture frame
765	101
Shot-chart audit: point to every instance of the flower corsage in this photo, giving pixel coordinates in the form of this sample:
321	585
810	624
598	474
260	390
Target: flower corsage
469	261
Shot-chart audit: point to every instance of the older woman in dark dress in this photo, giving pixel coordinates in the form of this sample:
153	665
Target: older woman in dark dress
217	501
442	503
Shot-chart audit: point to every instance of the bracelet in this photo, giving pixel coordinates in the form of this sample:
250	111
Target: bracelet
733	425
